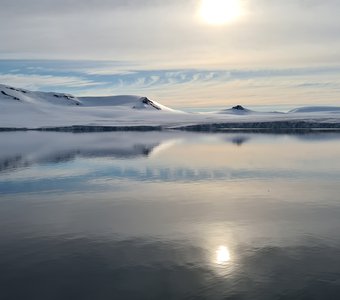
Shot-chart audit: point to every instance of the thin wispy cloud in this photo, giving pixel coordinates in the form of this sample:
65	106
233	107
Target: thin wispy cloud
44	81
179	87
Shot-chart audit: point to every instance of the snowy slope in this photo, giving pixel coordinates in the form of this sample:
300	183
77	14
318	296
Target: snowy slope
10	94
134	102
20	108
316	109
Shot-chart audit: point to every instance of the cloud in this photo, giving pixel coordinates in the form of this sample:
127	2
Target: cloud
44	81
168	34
179	87
107	71
67	6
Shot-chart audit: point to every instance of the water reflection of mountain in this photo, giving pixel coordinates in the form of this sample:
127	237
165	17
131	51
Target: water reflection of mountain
117	153
319	136
239	140
21	160
22	149
12	162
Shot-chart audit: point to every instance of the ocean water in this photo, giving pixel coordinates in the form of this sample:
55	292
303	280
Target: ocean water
169	215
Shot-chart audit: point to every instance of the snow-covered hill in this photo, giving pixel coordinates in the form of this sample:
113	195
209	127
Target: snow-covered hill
238	110
10	94
21	108
24	109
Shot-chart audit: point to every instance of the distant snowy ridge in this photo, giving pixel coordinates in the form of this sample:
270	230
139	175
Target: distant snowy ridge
316	109
24	109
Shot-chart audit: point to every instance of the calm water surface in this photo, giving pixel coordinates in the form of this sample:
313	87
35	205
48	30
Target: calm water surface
169	216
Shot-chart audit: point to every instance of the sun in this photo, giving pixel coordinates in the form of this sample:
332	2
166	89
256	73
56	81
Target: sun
219	12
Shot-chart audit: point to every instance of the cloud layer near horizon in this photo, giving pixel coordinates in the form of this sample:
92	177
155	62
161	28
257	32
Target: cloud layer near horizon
178	87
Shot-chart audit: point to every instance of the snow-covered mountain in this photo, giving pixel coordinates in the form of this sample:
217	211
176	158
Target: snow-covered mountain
24	109
10	94
21	108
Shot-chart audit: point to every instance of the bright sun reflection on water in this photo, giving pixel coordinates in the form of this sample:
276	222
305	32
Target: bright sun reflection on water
222	255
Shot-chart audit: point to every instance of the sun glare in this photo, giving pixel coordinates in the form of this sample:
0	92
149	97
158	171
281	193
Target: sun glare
219	12
222	255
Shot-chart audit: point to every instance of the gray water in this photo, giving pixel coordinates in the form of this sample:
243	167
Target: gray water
169	216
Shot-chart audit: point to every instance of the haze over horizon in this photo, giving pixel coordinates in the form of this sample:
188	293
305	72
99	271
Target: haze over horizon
191	53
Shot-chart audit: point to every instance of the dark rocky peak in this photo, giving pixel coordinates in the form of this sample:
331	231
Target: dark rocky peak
147	101
238	107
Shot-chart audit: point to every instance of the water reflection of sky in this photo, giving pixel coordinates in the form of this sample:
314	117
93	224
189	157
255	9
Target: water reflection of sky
195	179
162	158
169	215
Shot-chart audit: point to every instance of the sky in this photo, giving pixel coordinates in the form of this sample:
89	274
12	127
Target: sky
263	52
